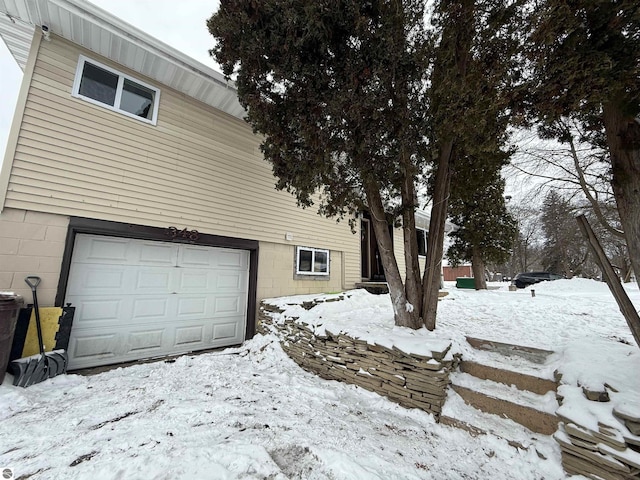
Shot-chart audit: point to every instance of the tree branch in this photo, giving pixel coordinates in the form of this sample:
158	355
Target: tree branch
585	188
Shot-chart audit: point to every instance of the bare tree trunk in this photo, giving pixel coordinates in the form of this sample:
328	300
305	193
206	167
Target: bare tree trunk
477	266
402	312
595	206
623	268
623	139
413	282
435	242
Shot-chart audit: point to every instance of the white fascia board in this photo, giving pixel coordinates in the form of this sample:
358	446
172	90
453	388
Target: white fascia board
17	36
129	33
29	13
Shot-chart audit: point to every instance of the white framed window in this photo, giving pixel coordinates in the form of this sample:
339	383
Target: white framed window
312	261
101	85
422	235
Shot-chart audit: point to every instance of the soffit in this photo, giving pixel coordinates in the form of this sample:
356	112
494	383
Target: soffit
97	30
423	218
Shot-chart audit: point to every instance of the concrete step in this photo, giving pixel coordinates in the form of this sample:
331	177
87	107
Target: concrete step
531	410
511	384
531	354
522	381
458	413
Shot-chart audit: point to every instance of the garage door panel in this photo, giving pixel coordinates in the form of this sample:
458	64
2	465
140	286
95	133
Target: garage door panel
94	310
207	282
164	299
102	250
150	308
189	335
153	253
231	259
101	279
91	346
231	281
196	257
194	280
98	280
193	256
231	305
226	331
192	306
152	280
144	340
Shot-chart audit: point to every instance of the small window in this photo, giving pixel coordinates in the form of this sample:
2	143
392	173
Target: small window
422	235
312	261
104	86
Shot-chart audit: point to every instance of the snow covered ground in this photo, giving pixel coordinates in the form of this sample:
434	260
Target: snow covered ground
251	413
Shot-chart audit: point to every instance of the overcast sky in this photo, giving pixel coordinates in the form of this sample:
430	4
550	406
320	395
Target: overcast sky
180	24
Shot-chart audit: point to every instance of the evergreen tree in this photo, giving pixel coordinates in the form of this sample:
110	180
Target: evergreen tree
347	104
474	75
336	90
586	66
448	97
486	230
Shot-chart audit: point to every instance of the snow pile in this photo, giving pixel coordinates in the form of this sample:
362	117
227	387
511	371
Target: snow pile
252	413
246	413
360	315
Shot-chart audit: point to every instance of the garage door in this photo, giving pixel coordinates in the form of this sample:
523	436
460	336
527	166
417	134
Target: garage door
138	299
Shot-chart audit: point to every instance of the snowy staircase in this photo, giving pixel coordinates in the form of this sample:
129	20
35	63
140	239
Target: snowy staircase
501	388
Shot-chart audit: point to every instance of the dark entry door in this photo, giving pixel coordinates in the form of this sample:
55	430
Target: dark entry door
365	248
371	263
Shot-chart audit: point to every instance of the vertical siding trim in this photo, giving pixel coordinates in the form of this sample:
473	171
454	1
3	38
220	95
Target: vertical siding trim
16	124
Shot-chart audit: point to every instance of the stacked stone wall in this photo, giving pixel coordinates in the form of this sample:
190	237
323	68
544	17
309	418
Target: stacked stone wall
413	381
611	452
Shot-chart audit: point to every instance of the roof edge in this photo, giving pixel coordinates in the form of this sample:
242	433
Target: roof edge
133	34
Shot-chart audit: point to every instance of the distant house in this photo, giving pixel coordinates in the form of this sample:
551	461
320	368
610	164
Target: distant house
134	188
450	273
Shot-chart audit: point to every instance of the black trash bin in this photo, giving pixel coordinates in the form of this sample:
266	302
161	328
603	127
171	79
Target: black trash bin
10	305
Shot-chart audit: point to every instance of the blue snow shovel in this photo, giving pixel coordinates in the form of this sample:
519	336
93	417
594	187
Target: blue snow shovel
39	367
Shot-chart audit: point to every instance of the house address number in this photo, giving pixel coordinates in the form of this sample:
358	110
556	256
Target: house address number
174	232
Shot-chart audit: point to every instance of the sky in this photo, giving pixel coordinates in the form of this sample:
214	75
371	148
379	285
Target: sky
251	413
183	29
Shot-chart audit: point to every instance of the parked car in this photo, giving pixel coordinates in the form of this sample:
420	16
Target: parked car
524	279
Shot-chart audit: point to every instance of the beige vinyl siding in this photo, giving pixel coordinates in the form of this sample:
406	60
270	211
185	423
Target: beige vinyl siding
197	168
398	251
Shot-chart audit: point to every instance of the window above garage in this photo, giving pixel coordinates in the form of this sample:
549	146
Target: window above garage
101	85
312	261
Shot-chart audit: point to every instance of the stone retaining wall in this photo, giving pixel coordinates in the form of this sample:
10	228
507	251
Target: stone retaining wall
413	381
612	452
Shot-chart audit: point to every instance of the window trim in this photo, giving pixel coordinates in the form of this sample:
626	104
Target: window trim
121	78
313	261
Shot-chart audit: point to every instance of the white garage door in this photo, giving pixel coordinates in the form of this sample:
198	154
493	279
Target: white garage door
139	299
